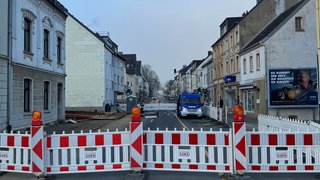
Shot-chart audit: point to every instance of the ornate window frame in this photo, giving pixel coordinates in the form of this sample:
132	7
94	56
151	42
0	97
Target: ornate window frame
60	38
27	14
47	27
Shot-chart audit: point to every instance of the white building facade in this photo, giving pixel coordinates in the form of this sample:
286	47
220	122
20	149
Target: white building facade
287	46
37	61
95	70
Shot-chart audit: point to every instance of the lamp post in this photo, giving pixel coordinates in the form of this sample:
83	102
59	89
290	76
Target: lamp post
196	81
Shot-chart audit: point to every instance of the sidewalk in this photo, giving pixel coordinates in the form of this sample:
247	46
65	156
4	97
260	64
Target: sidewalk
84	125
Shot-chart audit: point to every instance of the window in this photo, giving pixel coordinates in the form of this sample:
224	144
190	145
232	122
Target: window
59	41
27	35
244	66
28	18
249	101
231	40
46	34
59	45
232	66
46	95
258	61
237	64
227	68
237	36
298	24
27	95
251	64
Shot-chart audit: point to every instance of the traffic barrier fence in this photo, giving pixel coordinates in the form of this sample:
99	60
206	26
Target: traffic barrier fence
272	123
188	150
214	112
231	151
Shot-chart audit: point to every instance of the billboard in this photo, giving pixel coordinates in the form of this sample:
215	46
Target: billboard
293	87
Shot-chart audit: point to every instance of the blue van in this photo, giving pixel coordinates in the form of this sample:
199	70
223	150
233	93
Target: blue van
189	105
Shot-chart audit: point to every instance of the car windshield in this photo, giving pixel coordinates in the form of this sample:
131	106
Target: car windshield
191	101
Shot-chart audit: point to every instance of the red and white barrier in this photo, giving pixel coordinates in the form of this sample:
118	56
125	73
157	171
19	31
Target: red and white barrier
37	150
283	152
239	144
136	158
137	149
14	153
188	150
87	152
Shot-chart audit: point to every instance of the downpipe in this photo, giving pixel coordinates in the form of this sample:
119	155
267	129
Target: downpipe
9	71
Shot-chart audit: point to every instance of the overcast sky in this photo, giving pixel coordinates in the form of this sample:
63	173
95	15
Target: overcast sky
165	34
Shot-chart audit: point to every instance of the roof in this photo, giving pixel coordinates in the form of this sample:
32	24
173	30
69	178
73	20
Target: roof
233	22
59	6
274	25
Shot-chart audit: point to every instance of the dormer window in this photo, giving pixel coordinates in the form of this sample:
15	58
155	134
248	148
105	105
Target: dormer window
299	24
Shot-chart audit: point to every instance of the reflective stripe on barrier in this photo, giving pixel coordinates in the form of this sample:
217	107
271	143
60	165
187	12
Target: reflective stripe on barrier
37	150
239	140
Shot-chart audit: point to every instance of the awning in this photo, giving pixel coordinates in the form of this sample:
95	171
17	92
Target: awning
246	87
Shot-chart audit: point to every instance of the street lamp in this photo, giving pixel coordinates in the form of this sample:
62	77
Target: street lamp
196	81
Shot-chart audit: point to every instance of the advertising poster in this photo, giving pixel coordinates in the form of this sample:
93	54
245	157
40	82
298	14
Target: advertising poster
293	87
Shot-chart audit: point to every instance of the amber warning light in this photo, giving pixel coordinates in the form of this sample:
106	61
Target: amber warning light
36	118
135	114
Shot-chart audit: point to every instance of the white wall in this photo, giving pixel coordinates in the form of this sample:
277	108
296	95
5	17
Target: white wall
85	81
109	76
291	49
255	74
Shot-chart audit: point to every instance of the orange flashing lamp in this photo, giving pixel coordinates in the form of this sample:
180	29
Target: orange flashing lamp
238	115
135	114
36	118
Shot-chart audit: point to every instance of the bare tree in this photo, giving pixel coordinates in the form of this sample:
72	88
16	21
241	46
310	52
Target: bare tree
152	78
168	88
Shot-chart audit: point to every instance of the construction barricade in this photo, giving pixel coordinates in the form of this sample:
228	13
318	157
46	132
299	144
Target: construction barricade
188	150
232	151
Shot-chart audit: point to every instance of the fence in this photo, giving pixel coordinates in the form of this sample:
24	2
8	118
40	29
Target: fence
214	112
154	107
160	107
271	123
232	151
283	152
15	152
87	152
188	150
